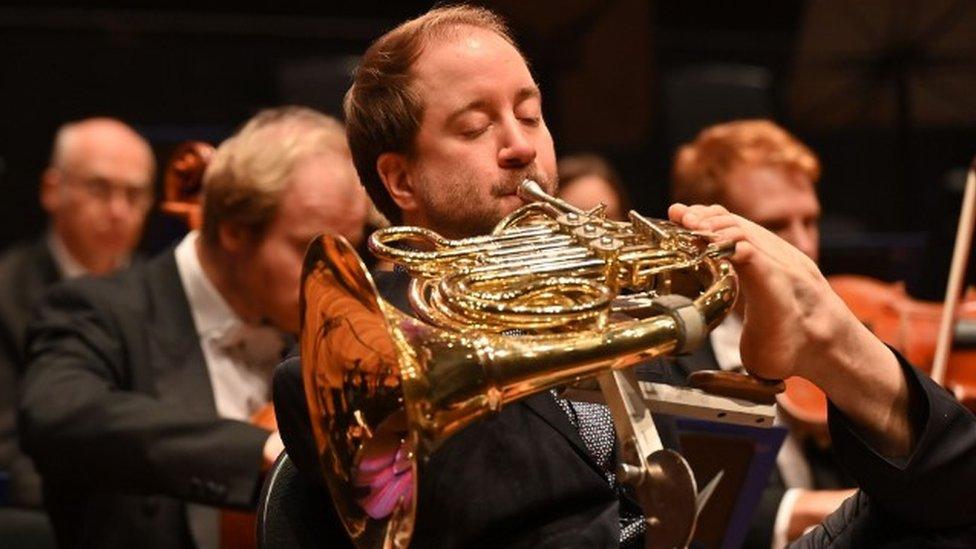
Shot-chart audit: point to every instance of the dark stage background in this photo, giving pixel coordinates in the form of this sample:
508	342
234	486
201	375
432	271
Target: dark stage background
877	88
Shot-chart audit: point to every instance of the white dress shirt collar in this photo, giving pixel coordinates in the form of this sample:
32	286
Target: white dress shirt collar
212	315
239	356
725	342
68	266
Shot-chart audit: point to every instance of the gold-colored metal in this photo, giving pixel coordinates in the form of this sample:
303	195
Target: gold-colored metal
553	296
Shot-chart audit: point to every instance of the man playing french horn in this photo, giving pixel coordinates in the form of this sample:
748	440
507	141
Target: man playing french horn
445	122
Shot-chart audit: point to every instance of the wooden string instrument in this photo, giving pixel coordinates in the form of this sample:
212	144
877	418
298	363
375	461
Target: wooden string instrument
922	331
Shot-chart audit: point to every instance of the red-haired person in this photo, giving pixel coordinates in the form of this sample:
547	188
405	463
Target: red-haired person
758	170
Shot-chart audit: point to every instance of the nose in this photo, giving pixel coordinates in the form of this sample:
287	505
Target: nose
516	148
118	205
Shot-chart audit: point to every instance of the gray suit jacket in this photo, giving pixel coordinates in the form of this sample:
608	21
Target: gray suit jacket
117	412
27	270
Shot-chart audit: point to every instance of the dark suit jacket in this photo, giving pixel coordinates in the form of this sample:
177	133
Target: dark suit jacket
827	473
520	478
924	500
26	271
509	481
117	412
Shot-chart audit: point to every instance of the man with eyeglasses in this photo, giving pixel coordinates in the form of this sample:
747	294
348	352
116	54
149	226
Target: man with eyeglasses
96	192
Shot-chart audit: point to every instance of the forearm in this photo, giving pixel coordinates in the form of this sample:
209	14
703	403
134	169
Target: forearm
942	461
79	431
863	379
898	435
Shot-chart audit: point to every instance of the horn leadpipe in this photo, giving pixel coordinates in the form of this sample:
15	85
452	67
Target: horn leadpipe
467	378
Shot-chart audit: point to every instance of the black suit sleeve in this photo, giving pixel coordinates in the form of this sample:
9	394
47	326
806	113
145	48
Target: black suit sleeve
942	463
294	424
924	500
84	425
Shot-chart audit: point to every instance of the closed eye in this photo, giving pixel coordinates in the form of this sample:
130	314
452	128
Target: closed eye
473	133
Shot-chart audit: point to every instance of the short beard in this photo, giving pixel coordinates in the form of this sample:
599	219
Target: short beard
454	218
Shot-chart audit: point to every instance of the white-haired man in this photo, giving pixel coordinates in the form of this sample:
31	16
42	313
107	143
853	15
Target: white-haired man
96	192
138	390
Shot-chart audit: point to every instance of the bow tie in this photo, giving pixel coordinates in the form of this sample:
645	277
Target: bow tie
258	347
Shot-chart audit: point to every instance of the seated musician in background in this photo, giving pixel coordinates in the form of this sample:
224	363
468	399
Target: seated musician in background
444	122
587	180
96	193
139	388
759	171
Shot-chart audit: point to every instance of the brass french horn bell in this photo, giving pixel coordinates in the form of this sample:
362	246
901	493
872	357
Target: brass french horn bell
552	296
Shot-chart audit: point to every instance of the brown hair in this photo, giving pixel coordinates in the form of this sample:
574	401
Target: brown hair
698	175
248	173
383	112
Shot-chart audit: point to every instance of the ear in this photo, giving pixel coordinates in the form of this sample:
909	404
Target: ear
50	193
393	171
233	237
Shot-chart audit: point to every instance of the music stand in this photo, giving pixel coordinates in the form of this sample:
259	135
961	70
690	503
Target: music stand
745	456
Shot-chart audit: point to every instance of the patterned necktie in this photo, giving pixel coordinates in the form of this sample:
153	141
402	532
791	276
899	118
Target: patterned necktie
595	426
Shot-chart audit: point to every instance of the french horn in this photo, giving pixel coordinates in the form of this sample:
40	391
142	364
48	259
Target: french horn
554	296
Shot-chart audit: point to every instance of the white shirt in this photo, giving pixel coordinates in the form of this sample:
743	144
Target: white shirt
792	464
239	357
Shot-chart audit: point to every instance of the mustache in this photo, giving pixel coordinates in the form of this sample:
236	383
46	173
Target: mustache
509	186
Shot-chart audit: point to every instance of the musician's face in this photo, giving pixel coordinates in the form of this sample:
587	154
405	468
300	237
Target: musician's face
780	200
323	195
99	196
481	134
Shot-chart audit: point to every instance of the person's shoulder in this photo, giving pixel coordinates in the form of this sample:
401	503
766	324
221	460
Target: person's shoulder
14	253
126	289
393	286
288	372
20	257
26	271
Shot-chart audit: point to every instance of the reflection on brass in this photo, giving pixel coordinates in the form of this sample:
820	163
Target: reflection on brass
553	296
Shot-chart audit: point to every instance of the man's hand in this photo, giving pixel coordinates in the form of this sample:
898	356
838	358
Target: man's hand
786	300
794	324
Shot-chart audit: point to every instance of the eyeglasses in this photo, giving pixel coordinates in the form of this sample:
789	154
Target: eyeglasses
104	190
